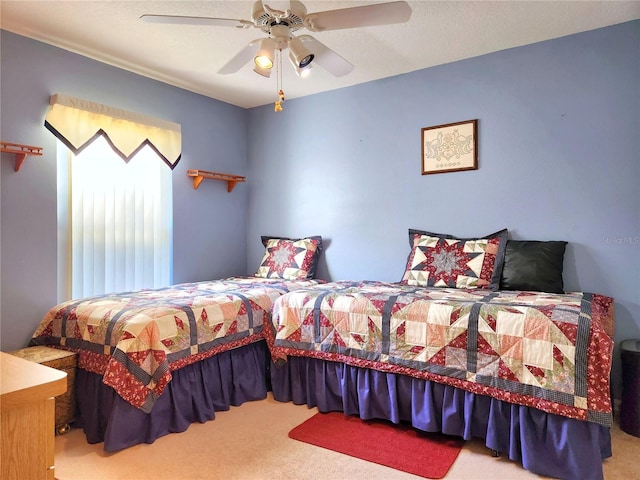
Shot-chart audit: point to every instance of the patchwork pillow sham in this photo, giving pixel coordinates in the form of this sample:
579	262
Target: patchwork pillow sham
290	258
441	260
534	265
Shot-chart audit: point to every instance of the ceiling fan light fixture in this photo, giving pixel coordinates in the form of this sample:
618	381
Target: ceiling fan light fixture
263	61
264	57
300	72
265	72
301	55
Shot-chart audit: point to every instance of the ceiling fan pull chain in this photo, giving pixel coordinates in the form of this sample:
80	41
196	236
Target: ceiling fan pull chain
278	105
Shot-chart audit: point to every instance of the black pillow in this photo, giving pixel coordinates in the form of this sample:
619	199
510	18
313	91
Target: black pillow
533	265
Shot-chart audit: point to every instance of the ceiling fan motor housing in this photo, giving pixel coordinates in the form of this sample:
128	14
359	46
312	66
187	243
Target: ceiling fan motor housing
281	34
265	21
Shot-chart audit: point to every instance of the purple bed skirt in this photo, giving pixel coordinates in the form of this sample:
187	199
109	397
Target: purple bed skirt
194	394
545	444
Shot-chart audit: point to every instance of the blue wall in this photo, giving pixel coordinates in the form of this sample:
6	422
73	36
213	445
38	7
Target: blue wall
559	159
209	223
559	136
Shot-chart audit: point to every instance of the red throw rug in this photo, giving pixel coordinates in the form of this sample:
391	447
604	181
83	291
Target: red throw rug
401	447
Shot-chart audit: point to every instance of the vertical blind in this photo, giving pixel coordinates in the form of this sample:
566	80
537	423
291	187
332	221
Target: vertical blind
121	222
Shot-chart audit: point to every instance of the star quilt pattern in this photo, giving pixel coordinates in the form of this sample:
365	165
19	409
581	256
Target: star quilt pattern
289	259
136	339
450	262
547	351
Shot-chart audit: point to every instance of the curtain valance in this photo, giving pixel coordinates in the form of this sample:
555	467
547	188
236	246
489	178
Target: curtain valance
77	122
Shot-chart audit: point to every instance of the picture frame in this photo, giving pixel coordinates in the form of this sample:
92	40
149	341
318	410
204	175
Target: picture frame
450	148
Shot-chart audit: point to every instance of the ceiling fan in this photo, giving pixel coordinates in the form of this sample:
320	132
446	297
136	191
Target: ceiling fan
280	19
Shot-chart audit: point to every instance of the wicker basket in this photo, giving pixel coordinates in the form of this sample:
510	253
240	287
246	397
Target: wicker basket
60	360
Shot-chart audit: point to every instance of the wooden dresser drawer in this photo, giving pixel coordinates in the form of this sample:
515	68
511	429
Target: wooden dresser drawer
60	360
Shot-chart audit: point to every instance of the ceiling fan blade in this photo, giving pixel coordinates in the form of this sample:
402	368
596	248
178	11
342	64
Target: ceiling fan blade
241	58
207	21
364	16
327	58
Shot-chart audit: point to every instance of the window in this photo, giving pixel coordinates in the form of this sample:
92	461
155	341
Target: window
115	221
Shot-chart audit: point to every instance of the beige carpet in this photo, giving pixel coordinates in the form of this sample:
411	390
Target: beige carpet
250	442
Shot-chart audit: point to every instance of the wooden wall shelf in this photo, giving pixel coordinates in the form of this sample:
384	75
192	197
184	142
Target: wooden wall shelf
199	175
20	151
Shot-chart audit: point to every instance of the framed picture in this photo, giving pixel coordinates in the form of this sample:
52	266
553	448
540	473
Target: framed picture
450	148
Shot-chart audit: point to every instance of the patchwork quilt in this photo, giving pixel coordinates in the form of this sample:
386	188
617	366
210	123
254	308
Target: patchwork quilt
136	339
548	351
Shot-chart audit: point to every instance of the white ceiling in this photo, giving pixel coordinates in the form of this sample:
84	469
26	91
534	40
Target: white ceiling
189	56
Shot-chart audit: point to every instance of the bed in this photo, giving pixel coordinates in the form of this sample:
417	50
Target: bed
151	362
525	370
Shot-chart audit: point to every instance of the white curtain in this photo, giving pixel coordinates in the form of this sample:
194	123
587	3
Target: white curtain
121	221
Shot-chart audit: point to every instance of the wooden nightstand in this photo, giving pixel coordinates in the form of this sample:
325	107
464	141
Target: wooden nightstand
60	360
